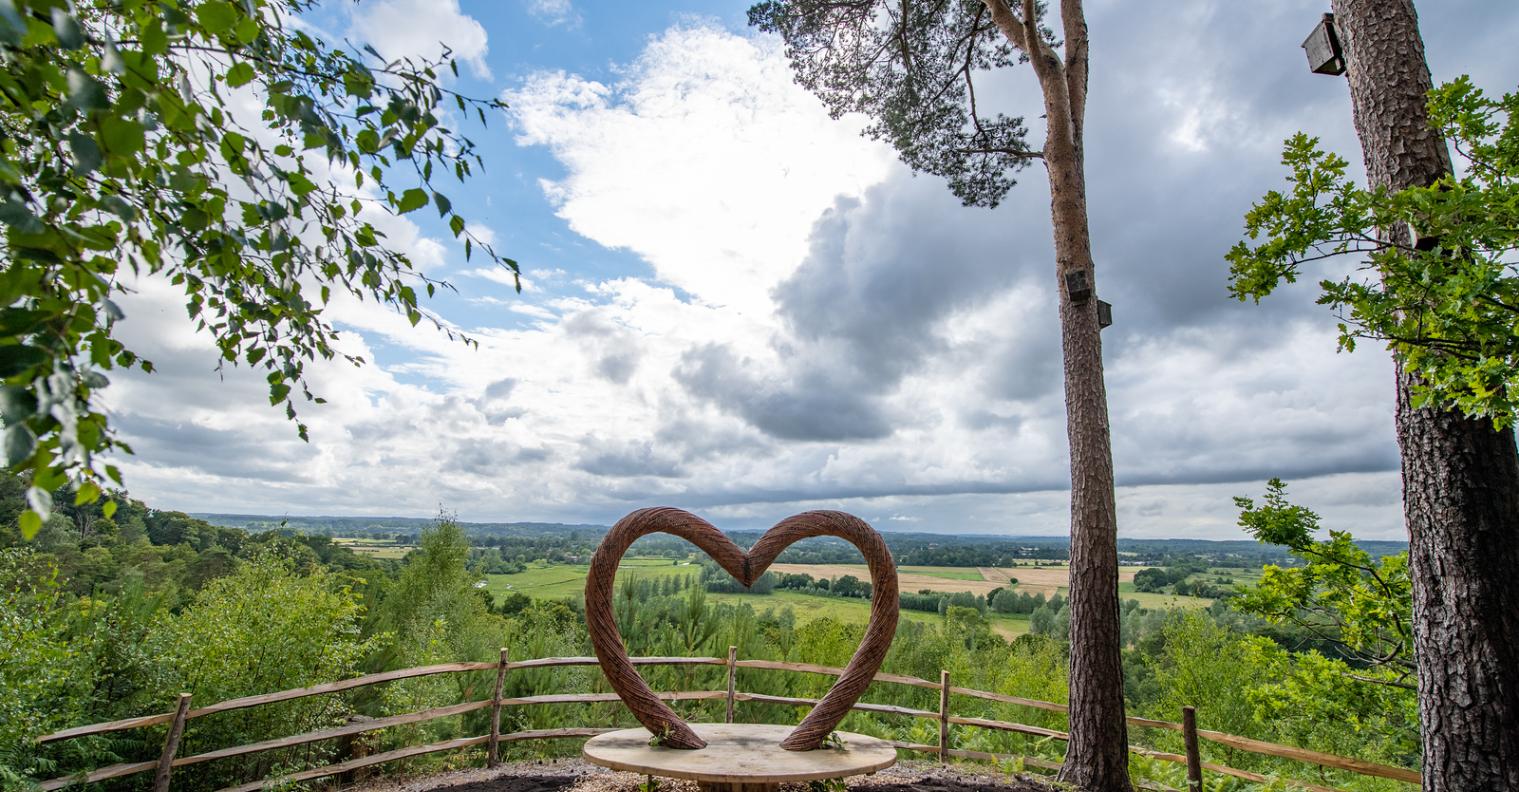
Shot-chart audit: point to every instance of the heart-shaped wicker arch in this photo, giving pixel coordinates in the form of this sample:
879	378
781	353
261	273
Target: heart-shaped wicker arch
654	714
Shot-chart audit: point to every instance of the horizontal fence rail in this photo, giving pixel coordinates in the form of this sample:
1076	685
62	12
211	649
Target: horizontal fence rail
176	721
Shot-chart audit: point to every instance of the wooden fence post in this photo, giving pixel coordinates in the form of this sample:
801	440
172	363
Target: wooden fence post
171	745
493	751
732	679
1194	758
943	717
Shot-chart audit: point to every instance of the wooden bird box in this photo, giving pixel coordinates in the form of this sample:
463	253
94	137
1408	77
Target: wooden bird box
1323	48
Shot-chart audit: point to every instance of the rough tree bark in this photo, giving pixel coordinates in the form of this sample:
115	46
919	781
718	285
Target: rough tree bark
1097	756
1460	476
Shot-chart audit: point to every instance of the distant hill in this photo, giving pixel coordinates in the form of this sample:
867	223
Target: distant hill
577	540
362	526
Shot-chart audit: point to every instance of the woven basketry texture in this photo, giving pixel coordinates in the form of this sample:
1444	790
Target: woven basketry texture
746	567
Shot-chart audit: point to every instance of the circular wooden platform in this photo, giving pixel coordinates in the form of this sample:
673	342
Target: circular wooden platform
739	757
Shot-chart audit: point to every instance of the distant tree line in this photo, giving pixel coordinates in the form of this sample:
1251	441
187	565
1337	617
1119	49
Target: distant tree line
557	543
1187	580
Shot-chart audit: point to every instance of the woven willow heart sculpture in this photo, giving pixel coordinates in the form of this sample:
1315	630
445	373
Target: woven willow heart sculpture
746	567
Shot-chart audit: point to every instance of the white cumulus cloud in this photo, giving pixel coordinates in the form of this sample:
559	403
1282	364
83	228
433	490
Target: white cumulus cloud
421	29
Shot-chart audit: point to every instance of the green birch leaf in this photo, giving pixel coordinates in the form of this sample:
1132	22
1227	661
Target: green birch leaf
412	200
31	523
85	152
121	136
240	74
66	28
19	444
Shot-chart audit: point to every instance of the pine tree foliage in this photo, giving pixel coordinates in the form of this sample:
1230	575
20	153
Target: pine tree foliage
911	68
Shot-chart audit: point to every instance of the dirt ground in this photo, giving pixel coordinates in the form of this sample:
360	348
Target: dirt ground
574	775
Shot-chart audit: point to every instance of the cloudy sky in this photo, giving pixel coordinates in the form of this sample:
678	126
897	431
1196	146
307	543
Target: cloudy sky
736	305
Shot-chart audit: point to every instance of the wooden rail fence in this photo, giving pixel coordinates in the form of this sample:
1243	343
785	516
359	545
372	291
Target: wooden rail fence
168	759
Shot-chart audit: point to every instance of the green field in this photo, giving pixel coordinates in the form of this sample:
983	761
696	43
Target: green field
1147	599
386	551
812	606
948	573
374	548
556	581
559	581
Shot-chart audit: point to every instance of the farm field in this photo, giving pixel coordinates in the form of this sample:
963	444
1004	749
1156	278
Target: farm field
1048	580
556	581
909	578
559	581
1126	591
811	606
374	548
950	573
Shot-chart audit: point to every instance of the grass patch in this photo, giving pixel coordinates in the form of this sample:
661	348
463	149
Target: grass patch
383	551
948	573
1126	591
557	581
560	581
855	611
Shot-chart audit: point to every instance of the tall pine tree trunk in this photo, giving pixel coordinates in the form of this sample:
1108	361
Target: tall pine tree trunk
1460	476
1097	755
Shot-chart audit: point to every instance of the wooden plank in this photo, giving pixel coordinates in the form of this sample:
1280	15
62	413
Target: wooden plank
811	668
1153	724
889	709
943	716
732	680
1050	706
354	764
1043	732
592	698
1005	699
339	731
552	662
102	774
171	745
333	687
1194	757
1231	771
1021	728
493	750
553	734
1248	744
1332	761
892	709
109	726
266	698
340	685
1225	769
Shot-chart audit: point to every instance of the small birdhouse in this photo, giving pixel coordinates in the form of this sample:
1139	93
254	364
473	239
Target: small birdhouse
1323	48
1078	286
1104	314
